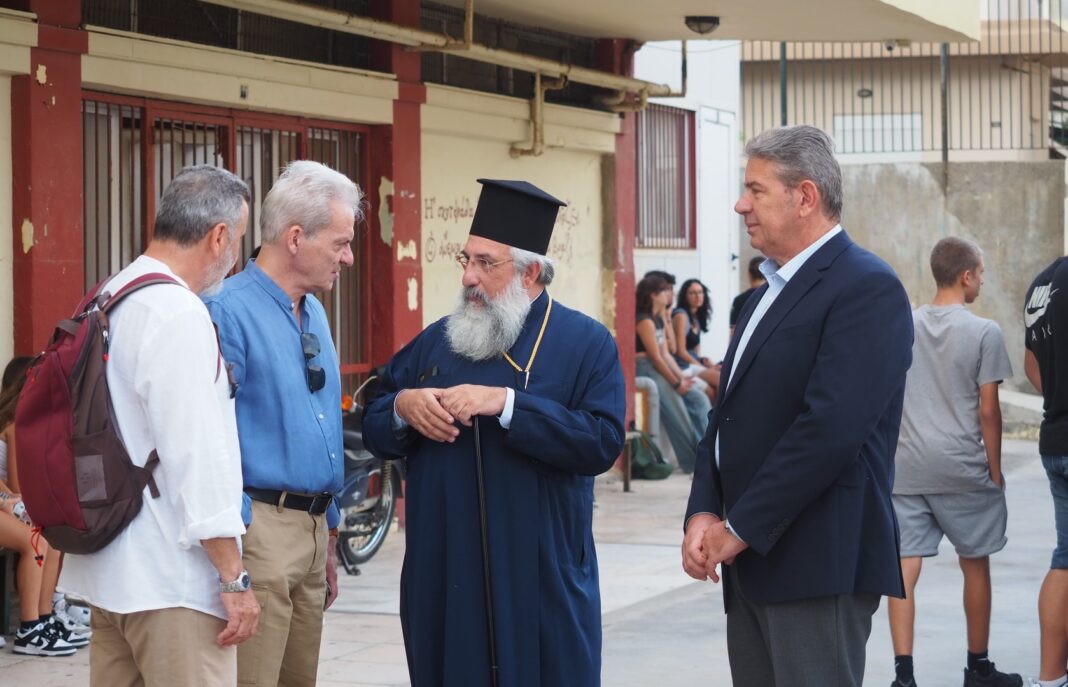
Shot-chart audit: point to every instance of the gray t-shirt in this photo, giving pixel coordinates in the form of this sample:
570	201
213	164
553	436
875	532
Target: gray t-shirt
940	448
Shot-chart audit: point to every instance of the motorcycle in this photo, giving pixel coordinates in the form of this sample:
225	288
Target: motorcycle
369	497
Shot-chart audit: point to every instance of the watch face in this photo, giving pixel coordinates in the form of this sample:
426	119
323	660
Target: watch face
245	581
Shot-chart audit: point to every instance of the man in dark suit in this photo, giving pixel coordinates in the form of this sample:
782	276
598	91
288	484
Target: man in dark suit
792	488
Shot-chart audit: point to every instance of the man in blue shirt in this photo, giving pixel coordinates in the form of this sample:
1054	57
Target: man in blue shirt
277	340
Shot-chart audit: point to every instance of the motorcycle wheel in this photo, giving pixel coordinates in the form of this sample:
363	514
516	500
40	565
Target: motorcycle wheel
361	545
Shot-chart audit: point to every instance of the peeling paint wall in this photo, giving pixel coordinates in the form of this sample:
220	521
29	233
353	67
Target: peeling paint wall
7	238
451	164
385	210
1015	211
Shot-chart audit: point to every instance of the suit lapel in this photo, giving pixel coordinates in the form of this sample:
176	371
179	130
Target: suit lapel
743	322
808	276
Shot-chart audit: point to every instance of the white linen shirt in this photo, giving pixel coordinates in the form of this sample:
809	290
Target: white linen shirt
170	392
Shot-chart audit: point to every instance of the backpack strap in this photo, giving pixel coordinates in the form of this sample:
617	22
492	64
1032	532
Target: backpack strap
86	304
144	475
89	300
110	301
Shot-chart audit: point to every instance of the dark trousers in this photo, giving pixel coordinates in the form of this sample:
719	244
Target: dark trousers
817	642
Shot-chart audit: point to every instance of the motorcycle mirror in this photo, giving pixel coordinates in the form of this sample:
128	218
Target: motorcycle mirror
356	394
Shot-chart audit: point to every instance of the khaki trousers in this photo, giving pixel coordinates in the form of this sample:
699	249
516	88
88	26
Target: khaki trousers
168	647
285	555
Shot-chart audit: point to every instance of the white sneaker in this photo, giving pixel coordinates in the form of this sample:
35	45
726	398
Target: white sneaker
75	639
74	617
41	640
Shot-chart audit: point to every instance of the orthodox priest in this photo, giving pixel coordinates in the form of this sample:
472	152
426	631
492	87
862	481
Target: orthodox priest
544	386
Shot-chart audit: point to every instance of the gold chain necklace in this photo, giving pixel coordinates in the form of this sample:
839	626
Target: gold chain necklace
533	353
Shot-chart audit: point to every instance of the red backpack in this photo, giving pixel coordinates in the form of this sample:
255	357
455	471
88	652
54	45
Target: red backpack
77	480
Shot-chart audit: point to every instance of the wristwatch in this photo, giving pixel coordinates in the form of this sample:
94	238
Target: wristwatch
242	584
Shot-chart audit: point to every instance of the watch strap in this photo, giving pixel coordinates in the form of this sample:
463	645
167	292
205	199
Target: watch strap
242	584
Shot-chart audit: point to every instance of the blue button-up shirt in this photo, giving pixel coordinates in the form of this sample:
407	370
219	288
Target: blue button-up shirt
290	437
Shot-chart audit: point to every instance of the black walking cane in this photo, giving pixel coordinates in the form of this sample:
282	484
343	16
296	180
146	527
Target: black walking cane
488	582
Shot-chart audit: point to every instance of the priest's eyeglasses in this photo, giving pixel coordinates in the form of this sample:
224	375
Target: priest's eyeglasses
480	263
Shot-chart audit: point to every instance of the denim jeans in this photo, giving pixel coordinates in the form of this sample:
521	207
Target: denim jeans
675	418
1057	471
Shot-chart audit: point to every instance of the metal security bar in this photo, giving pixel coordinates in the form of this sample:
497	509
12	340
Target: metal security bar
666	193
340	150
113	212
262	153
124	136
207	24
1005	92
456	70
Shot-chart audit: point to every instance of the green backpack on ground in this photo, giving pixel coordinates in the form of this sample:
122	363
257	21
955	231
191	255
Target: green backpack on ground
647	462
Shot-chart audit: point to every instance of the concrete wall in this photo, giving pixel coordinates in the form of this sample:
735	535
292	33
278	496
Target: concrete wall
1014	211
467	136
122	62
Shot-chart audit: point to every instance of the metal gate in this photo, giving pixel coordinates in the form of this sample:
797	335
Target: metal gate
125	136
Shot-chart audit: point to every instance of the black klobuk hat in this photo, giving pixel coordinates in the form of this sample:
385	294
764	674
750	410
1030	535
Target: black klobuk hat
515	213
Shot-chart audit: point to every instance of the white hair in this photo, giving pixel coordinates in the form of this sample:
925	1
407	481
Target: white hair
304	194
485	329
524	258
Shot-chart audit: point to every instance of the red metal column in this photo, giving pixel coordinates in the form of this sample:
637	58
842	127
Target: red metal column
396	155
617	56
397	313
46	151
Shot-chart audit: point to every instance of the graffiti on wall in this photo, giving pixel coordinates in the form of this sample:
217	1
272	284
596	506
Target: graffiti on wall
447	224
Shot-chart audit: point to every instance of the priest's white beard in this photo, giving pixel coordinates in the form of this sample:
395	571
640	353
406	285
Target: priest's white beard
484	330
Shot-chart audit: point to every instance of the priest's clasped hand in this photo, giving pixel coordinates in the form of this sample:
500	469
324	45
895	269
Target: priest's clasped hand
423	411
468	400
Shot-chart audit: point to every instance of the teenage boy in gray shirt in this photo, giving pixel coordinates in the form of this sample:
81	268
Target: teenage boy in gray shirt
948	476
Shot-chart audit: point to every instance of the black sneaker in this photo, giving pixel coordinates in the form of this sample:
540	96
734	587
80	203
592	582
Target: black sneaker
993	678
41	640
75	639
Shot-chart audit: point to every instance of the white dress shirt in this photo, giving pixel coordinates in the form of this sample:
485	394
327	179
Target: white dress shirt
168	394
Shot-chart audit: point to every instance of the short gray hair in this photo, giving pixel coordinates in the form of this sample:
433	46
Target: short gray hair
196	200
524	259
803	152
304	195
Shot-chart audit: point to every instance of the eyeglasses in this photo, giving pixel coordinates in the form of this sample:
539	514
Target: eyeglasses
481	264
316	375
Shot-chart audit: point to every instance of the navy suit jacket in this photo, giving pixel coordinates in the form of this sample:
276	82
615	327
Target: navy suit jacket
808	426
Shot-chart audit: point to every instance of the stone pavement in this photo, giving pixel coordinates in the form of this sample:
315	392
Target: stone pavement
662	628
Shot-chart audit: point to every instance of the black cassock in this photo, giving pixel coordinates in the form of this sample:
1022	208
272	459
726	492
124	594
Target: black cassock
567	426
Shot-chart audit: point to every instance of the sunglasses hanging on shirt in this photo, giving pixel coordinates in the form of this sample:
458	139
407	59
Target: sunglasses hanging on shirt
316	375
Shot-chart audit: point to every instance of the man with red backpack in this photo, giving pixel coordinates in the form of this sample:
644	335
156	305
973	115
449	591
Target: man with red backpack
169	594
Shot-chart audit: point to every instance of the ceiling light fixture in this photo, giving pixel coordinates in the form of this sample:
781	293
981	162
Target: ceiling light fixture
702	24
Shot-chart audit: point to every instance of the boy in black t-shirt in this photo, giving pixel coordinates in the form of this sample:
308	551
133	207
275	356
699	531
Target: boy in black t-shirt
1046	365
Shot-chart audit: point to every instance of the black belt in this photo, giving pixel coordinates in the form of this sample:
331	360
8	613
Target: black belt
316	504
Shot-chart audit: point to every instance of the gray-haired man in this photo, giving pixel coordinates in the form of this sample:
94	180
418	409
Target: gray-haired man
792	487
168	601
276	335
